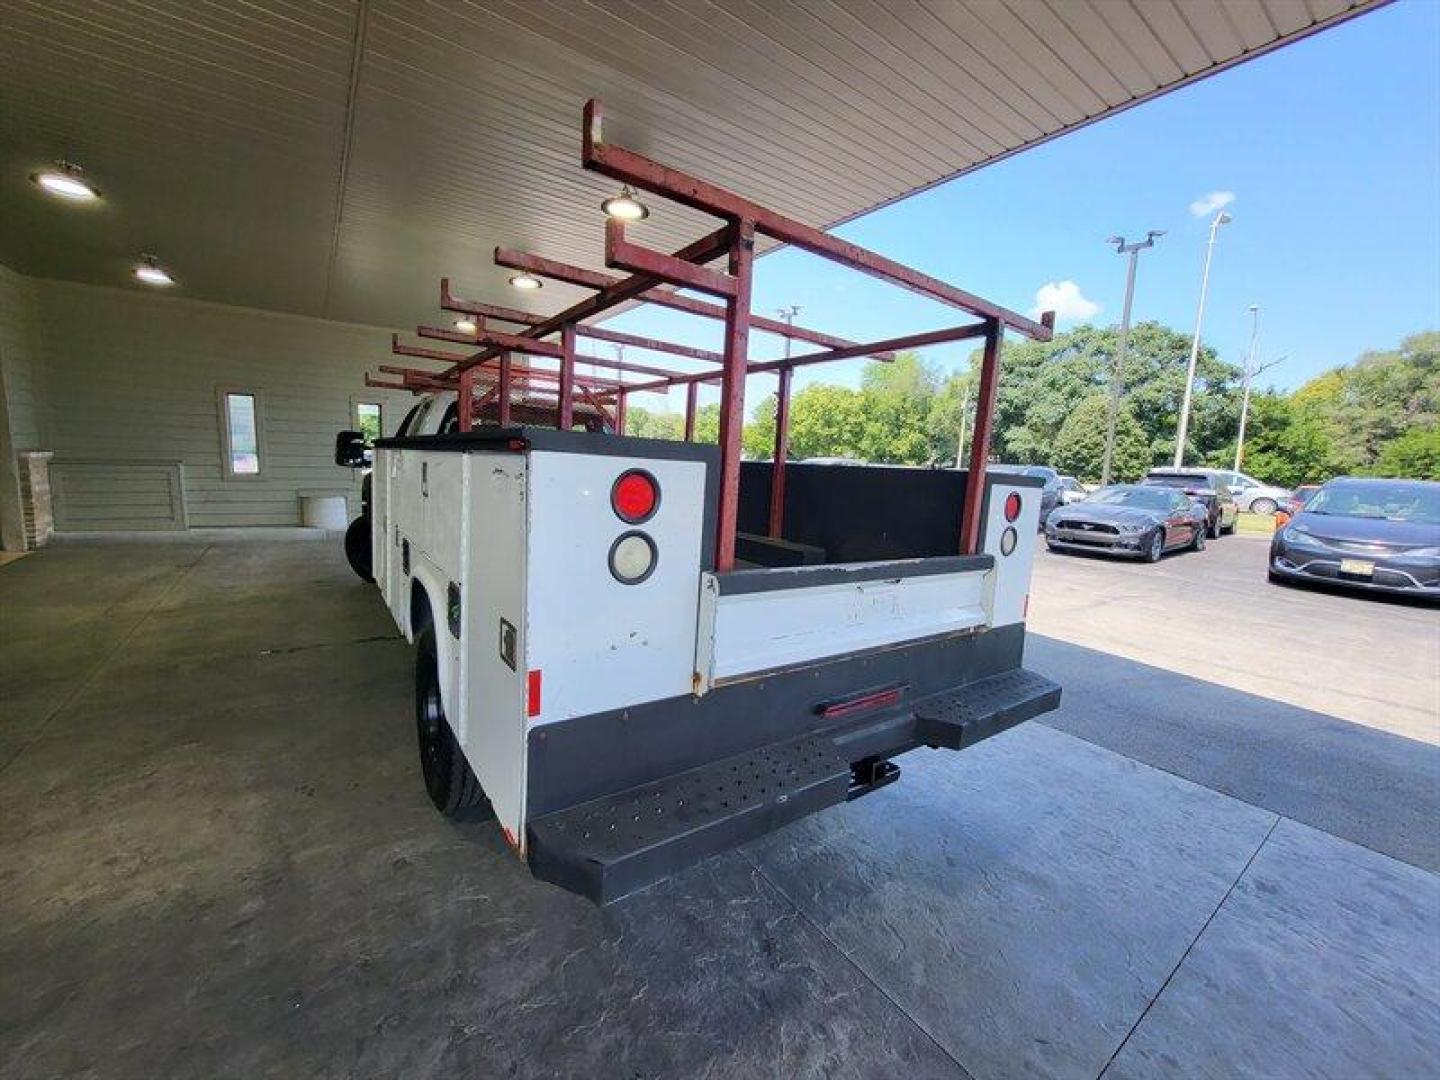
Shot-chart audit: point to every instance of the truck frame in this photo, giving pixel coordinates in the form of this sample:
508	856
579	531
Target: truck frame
638	653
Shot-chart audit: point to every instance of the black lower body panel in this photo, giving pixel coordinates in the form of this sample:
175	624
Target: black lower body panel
594	834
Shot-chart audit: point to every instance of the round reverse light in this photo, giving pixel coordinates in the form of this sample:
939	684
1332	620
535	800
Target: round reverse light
632	558
1008	539
635	496
1012	507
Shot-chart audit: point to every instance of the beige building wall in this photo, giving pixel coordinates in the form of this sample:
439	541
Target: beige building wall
125	386
19	360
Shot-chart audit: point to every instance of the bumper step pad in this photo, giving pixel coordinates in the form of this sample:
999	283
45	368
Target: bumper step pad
962	717
610	847
613	846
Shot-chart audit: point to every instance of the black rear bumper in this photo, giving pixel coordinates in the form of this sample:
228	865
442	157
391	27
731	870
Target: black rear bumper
609	847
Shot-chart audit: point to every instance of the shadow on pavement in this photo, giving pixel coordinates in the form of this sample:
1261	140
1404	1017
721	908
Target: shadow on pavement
1368	786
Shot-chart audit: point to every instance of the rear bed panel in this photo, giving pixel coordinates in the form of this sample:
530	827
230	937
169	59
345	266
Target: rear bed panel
758	621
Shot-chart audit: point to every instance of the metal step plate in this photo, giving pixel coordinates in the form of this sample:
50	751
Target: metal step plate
611	847
962	717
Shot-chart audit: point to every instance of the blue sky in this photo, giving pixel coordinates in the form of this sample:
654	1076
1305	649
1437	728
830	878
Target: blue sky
1330	147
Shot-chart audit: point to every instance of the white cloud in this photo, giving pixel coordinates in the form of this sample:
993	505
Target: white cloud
1065	299
1208	204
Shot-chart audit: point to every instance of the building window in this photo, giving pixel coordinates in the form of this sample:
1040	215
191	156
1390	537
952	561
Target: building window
368	419
240	431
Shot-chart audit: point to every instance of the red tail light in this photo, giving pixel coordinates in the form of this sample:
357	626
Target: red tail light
635	496
1012	506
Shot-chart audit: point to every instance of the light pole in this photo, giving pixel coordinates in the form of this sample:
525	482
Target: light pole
1250	372
1221	218
788	314
1117	375
964	417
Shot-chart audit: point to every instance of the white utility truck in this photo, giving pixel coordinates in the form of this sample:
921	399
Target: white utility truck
642	652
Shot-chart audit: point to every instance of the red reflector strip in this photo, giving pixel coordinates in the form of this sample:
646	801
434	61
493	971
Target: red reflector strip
532	695
877	700
1012	506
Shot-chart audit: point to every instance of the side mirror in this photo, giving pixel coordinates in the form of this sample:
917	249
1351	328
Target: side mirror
351	451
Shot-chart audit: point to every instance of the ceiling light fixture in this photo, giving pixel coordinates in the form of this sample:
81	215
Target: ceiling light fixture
466	325
526	282
625	206
66	180
149	270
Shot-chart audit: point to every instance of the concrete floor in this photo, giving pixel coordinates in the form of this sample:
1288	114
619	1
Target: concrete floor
216	859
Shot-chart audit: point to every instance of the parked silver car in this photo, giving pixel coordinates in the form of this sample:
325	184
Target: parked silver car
1250	494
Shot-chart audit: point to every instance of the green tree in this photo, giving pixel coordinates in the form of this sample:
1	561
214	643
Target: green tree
758	438
653	425
825	421
1283	445
942	422
707	423
1043	382
1381	396
1413	456
1080	447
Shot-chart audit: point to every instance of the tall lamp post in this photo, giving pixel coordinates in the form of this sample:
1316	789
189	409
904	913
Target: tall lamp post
1250	372
1118	373
788	314
1221	218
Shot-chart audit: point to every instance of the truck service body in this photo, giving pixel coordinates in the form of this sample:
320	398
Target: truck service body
639	652
621	731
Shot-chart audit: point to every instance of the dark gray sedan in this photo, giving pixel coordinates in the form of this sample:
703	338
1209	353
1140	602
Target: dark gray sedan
1371	535
1135	520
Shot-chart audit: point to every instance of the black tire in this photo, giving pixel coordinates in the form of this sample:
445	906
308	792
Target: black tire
1229	530
449	780
1263	506
1213	528
357	548
1156	547
1198	544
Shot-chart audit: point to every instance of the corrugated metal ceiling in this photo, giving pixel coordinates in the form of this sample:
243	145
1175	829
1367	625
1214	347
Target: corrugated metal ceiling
336	157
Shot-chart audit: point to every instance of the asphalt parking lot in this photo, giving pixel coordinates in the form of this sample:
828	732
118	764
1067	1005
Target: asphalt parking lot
1372	660
216	857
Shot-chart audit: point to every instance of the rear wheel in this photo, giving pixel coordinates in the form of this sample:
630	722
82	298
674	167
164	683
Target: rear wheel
1156	547
1263	506
1198	544
357	548
1213	528
449	780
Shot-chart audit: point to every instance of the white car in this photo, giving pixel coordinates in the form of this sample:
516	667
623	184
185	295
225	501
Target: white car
1251	495
1254	496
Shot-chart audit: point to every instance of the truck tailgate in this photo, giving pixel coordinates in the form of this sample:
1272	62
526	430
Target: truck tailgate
757	621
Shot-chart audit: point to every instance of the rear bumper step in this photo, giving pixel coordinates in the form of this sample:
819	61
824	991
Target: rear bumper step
613	846
962	717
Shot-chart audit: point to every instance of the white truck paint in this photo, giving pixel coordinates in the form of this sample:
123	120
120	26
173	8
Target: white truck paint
503	547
